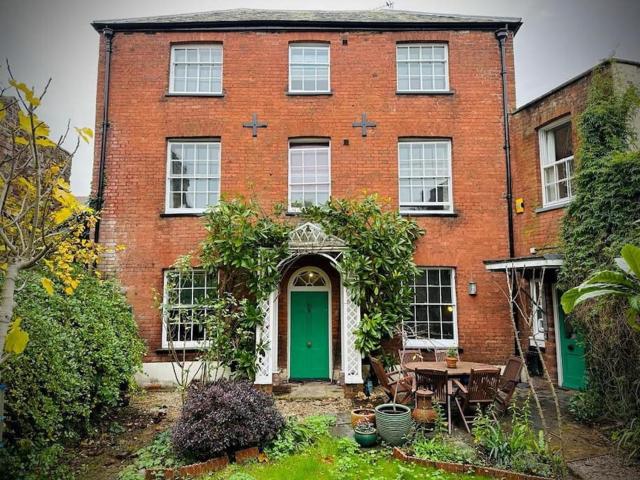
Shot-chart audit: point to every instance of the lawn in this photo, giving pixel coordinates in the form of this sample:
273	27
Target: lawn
332	458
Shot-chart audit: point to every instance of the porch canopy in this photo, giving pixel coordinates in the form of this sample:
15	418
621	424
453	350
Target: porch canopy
311	239
552	261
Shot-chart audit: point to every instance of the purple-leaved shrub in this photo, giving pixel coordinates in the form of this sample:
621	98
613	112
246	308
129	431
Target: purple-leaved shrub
223	416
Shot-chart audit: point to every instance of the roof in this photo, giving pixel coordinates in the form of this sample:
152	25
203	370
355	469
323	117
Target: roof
603	63
550	260
254	19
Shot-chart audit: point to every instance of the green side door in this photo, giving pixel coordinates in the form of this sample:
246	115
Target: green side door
571	351
309	344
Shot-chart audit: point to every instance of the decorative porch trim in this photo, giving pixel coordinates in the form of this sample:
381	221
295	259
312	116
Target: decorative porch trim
350	321
267	334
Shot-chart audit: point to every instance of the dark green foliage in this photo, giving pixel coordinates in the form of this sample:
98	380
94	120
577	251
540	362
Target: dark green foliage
520	448
378	264
297	435
159	454
586	407
82	353
604	215
224	416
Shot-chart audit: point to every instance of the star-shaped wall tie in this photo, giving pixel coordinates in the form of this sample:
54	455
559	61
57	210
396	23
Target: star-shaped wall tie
253	124
364	124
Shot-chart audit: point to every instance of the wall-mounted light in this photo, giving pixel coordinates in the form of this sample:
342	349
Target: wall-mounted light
472	288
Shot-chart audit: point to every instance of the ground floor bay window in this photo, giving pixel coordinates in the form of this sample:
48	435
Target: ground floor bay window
433	323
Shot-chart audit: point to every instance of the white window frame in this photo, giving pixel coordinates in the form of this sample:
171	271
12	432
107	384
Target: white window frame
543	140
312	144
165	312
538	313
312	45
428	343
218	46
425	205
169	175
420	61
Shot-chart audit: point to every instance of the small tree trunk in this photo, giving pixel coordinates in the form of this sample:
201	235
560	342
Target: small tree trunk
7	302
6	314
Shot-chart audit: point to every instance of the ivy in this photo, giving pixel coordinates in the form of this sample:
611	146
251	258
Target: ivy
603	216
245	246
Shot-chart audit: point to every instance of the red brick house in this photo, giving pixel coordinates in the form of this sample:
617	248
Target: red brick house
544	140
298	106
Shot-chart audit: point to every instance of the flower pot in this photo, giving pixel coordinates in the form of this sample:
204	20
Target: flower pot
452	362
366	439
360	415
394	423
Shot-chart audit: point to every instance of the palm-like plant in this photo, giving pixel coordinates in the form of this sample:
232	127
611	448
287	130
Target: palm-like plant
624	283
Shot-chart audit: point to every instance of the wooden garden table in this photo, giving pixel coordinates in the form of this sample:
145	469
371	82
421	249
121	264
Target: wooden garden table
462	368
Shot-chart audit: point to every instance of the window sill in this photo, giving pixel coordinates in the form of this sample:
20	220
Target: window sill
549	208
308	94
432	344
428	214
178	348
443	92
181	214
290	213
215	95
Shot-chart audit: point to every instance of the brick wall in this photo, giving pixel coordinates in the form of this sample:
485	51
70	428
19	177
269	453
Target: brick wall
142	117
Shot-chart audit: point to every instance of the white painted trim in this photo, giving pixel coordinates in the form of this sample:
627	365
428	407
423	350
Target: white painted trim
424	206
543	149
535	333
326	288
446	67
535	262
196	45
556	328
299	144
314	45
167	188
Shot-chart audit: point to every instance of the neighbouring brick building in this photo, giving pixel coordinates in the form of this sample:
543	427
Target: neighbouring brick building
264	104
544	140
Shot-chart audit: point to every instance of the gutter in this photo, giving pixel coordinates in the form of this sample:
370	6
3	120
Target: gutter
502	35
104	129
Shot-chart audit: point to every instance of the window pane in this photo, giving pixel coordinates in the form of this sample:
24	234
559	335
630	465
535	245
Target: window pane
309	176
197	174
562	140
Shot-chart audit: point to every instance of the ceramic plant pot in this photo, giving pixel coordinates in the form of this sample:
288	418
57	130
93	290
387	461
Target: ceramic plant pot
360	415
394	423
365	439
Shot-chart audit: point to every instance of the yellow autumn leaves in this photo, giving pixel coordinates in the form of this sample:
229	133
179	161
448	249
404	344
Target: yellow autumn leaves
17	338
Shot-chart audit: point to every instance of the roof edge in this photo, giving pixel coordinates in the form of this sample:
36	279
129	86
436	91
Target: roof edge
604	63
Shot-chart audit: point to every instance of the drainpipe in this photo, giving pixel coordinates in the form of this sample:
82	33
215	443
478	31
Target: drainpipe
108	36
502	35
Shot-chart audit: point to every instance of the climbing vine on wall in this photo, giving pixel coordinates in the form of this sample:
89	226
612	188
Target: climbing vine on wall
245	245
604	215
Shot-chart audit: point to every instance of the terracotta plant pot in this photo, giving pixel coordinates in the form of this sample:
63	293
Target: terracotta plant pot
452	362
360	415
394	423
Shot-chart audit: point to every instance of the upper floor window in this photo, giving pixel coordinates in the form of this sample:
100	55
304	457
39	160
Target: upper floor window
556	153
193	179
309	173
309	68
433	321
196	69
422	67
424	169
187	297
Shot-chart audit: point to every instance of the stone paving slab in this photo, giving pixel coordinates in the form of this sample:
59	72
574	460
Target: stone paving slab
313	391
609	467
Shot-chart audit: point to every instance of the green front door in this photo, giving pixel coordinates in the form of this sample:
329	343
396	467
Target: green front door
309	354
571	351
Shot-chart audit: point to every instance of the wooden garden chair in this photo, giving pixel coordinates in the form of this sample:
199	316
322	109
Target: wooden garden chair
478	394
508	382
438	382
401	389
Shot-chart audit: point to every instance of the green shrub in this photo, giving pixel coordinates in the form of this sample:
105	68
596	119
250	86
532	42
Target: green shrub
628	439
82	353
298	435
158	454
586	407
520	448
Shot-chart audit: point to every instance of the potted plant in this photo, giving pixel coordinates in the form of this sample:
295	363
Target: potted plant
394	422
360	415
365	434
452	357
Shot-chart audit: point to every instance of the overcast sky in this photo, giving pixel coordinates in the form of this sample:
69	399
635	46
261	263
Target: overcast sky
53	38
